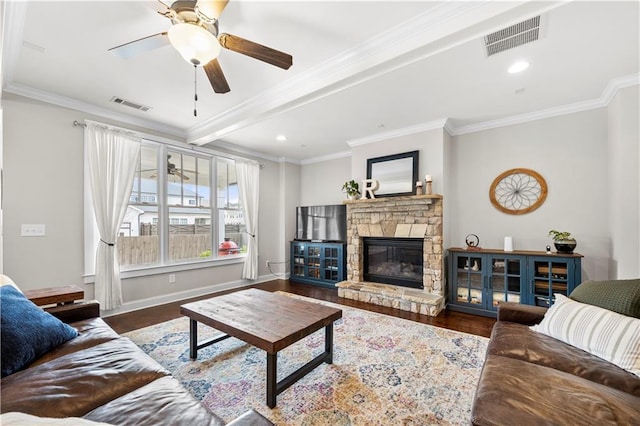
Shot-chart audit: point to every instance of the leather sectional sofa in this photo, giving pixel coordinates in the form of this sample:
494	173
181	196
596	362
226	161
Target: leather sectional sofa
530	378
103	377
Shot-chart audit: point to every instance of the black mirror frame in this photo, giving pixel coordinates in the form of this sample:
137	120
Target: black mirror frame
414	155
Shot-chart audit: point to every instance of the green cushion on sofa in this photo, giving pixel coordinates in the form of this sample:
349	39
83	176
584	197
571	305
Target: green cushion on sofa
621	296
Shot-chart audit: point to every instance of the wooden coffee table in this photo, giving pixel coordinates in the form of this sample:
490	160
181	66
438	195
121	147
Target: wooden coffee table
268	321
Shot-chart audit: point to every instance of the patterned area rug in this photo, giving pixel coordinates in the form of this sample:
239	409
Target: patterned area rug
385	371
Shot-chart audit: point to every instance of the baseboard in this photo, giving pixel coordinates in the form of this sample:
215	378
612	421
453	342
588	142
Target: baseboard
182	295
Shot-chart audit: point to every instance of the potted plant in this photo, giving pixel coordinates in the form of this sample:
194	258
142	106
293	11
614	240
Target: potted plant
563	241
352	189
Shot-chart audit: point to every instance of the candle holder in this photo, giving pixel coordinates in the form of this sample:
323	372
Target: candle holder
419	188
427	189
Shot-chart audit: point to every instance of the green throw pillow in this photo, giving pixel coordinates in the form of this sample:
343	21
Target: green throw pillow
621	296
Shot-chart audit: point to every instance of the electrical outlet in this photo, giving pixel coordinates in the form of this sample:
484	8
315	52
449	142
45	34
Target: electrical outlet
172	278
268	261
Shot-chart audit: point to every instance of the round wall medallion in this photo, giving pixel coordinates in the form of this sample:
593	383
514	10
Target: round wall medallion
518	191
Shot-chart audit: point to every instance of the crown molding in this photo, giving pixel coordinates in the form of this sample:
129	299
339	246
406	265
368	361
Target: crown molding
236	149
530	116
619	83
13	18
63	101
353	66
405	131
293	161
607	95
448	126
328	157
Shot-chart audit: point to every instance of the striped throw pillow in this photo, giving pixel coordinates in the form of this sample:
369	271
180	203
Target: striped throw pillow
603	333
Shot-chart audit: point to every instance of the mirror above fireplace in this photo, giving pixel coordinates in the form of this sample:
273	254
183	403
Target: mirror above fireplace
396	174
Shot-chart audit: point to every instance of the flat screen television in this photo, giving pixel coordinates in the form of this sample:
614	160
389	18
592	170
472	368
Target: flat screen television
322	223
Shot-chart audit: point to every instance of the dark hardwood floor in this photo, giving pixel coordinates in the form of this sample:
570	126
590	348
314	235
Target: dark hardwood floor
459	321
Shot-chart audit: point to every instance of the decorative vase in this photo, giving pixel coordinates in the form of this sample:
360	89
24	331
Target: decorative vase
565	246
353	197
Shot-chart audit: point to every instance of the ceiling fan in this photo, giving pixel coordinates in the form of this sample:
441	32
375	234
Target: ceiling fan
171	170
194	34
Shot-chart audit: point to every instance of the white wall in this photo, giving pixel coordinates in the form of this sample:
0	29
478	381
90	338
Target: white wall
449	169
624	186
43	172
289	199
570	152
43	175
321	182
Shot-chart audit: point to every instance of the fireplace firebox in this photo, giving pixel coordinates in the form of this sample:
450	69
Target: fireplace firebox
396	261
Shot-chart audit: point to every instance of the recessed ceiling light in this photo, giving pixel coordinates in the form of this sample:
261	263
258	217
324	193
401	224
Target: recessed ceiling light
281	138
518	67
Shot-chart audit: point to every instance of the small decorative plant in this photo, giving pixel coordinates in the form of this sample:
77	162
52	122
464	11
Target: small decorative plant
352	188
563	241
560	236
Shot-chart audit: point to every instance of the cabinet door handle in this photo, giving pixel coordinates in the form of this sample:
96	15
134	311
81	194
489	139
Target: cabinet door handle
489	283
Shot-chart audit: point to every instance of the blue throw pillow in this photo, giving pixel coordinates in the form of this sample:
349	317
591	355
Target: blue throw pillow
27	331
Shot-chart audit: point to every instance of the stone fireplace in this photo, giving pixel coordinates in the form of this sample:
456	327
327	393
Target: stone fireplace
397	220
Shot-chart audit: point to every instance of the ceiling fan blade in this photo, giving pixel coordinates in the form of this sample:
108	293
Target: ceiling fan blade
133	48
211	9
216	76
255	50
181	175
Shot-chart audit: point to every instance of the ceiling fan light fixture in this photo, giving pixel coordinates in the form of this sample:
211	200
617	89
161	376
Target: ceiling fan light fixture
206	11
195	44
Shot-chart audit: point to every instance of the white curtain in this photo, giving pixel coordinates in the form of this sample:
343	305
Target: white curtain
112	155
248	172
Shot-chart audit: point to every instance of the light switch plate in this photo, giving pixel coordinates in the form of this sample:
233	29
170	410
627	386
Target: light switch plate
37	230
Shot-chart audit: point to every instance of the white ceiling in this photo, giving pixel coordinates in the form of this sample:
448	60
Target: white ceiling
361	69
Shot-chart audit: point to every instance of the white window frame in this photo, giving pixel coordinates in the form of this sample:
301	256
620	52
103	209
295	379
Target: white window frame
163	266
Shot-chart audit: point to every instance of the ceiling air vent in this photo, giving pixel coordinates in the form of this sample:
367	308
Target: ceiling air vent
513	36
130	104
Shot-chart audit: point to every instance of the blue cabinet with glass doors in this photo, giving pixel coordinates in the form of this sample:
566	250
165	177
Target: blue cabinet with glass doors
480	279
321	264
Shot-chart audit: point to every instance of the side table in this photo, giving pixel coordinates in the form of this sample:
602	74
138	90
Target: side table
55	295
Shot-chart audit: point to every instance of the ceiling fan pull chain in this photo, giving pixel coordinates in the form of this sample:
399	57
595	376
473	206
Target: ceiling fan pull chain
195	89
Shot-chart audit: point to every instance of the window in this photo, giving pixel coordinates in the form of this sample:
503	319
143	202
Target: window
230	217
141	245
189	198
171	211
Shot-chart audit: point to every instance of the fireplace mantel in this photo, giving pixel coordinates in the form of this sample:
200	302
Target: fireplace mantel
404	216
392	199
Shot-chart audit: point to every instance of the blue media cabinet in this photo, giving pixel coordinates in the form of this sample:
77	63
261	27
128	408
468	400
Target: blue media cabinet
479	279
323	264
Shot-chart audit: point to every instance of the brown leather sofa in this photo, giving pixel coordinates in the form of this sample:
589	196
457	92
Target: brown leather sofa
529	378
103	377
